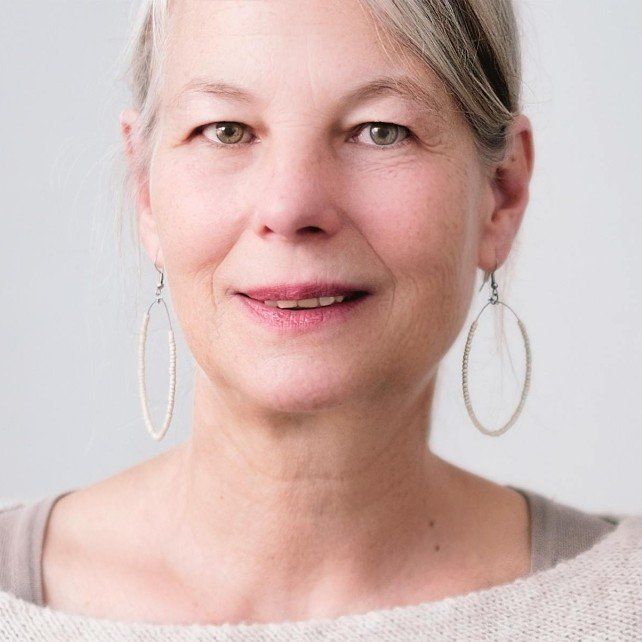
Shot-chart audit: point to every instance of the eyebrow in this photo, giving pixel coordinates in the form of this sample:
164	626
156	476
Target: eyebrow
404	87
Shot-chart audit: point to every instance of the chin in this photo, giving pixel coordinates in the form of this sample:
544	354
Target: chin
299	394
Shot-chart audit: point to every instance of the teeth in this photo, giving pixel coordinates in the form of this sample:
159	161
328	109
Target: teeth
306	303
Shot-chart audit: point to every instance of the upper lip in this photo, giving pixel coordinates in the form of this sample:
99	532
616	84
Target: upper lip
297	291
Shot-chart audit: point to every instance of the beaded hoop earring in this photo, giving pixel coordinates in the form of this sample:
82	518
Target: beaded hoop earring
494	300
157	434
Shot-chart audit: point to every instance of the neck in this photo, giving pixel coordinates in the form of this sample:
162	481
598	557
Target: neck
319	507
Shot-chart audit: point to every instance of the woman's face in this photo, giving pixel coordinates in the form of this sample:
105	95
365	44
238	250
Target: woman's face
303	187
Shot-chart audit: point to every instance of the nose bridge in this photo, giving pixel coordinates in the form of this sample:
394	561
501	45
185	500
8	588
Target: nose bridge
296	150
295	141
296	187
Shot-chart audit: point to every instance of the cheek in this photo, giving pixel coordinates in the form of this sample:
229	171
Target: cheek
197	234
420	225
421	229
190	211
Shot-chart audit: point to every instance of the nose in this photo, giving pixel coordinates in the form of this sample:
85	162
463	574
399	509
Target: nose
299	196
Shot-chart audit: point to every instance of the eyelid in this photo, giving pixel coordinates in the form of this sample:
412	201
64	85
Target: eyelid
359	128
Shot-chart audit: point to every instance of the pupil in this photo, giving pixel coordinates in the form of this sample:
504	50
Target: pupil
387	129
225	130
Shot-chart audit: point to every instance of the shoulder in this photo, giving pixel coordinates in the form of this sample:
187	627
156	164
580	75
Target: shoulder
595	595
22	526
14	519
614	564
603	581
627	538
561	531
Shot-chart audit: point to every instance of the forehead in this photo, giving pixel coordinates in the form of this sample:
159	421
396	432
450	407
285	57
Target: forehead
256	50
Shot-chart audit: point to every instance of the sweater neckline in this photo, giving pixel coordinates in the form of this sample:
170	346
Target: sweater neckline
525	584
43	508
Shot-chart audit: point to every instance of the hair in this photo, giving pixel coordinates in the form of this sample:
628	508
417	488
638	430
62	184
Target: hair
472	46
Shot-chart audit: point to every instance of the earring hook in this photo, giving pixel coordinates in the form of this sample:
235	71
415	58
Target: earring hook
490	275
155	259
161	283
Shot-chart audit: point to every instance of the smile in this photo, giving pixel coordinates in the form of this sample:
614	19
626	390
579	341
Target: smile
296	315
308	304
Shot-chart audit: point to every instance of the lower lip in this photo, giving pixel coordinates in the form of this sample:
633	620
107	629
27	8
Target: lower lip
290	320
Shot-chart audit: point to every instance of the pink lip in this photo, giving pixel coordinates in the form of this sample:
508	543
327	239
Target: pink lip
291	322
295	291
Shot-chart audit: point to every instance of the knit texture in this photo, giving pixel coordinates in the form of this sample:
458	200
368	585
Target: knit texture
596	595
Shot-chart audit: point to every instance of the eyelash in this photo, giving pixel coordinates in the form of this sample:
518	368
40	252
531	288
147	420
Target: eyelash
229	146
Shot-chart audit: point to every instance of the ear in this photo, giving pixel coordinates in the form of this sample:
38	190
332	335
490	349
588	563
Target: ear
508	196
133	143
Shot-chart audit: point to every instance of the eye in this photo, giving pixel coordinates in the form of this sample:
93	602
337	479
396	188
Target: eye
385	134
225	133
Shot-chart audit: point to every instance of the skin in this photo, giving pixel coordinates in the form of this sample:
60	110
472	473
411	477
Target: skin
306	488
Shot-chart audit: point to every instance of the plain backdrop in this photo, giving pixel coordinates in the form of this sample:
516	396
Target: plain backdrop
71	307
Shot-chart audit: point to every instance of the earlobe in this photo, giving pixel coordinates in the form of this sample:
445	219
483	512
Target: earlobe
148	235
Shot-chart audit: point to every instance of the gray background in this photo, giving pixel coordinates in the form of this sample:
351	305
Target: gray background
71	307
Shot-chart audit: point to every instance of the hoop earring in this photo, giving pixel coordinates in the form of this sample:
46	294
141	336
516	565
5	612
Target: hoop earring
157	434
494	300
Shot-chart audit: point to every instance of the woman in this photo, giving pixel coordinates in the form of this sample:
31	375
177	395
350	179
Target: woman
283	154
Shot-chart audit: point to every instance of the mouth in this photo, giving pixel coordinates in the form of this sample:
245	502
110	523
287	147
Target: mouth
292	308
312	293
309	302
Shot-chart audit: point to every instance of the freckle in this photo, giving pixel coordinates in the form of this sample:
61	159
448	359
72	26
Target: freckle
436	547
432	523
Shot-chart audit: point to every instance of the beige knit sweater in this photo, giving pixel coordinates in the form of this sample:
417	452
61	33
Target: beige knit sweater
595	594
